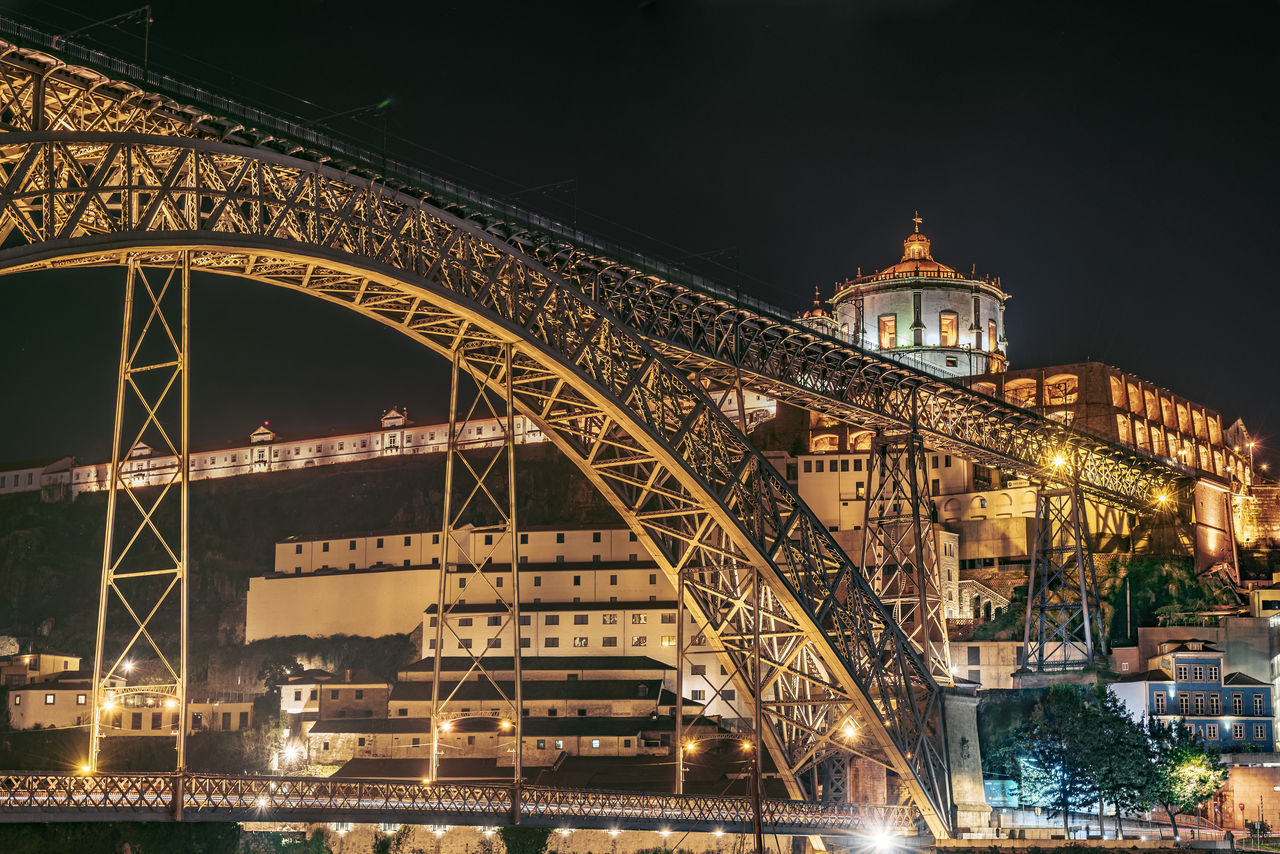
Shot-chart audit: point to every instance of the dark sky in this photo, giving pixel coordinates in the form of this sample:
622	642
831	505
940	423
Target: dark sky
1114	162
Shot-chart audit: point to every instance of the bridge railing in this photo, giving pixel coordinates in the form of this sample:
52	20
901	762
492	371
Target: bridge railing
28	796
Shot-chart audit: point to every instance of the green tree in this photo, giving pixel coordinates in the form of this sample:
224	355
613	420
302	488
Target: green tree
525	840
1187	772
1053	748
276	670
1121	758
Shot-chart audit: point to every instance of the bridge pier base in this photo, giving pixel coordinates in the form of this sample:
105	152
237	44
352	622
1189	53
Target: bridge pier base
972	813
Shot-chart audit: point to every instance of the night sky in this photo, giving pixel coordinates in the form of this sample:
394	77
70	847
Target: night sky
1114	162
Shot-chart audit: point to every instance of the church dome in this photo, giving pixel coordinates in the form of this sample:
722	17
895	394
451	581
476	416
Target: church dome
917	260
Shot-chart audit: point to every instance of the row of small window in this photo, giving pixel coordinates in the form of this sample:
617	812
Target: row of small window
351	544
1196	672
52	699
668	618
1211	732
17	480
842	464
333	694
1200	703
948	329
488	539
578	642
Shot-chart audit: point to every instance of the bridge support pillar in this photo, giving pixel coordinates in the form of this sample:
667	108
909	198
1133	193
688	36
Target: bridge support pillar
972	813
899	550
1064	619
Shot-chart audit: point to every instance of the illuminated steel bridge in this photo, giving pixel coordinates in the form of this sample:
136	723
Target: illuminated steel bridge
27	797
614	358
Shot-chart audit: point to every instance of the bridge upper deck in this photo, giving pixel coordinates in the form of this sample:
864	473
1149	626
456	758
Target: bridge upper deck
720	333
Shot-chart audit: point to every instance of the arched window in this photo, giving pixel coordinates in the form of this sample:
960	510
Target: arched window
948	328
1061	389
888	331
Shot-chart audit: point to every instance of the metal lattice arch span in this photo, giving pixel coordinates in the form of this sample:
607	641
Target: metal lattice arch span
97	172
701	499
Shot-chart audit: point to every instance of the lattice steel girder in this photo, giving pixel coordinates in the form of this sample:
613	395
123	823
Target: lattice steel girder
142	598
46	797
479	488
1064	616
899	550
676	469
717	333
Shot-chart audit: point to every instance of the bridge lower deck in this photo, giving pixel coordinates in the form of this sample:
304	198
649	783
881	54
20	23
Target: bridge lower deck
44	797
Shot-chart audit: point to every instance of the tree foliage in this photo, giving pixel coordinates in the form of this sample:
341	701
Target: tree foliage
1187	772
1054	751
525	840
1121	757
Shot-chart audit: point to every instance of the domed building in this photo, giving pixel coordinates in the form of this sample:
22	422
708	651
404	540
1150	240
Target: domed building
925	314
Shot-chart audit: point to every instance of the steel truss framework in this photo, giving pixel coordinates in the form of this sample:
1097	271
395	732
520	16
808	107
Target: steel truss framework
26	796
97	172
142	598
899	550
698	496
704	329
1064	617
479	498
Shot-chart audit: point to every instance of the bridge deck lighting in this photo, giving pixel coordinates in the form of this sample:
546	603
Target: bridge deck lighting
1059	461
746	745
691	747
85	769
849	730
613	831
262	802
882	841
506	724
426	781
446	726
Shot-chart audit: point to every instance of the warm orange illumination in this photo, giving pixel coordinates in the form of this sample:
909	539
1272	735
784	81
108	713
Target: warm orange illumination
506	724
690	747
1059	461
746	745
446	726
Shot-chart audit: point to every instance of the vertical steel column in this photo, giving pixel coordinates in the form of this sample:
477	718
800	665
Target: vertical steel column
144	581
1064	618
681	661
899	549
478	505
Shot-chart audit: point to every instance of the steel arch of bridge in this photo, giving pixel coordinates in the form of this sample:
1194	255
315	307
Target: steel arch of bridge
721	335
699	497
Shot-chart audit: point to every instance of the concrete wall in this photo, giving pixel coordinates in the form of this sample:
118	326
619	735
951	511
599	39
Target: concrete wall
361	603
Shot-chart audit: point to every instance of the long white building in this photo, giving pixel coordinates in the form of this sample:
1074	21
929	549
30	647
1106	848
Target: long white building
268	451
